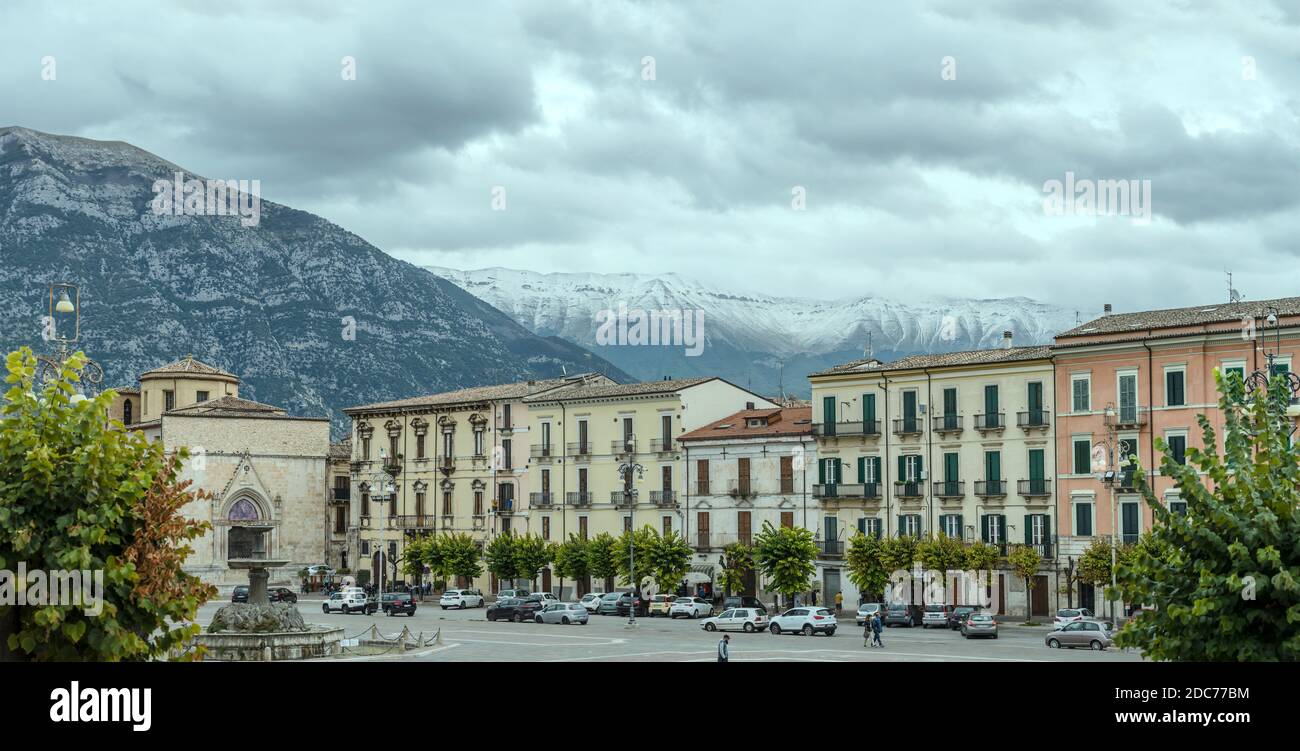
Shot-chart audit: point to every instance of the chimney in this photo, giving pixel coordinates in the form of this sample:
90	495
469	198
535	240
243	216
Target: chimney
1006	340
1106	309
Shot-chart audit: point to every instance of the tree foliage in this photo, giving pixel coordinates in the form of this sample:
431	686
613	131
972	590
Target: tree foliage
78	492
1222	581
981	556
866	566
459	556
943	554
531	553
500	557
737	562
787	558
645	539
670	559
1024	561
602	556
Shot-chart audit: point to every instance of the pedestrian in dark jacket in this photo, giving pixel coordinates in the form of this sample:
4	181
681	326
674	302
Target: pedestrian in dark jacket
876	627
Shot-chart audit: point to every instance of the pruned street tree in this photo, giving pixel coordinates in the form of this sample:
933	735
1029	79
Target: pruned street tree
866	566
787	558
1024	561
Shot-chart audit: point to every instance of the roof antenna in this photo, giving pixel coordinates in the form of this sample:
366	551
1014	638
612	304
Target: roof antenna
1233	295
1077	322
780	378
867	353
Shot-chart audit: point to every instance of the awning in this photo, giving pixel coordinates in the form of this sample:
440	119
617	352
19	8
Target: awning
700	572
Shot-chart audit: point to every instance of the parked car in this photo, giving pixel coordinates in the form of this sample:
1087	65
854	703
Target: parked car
547	597
320	569
591	601
979	624
1079	634
353	602
748	620
690	607
398	602
805	620
335	602
461	599
661	604
609	603
563	612
240	594
281	594
935	614
512	593
868	610
959	615
1066	616
737	601
627	601
902	614
507	609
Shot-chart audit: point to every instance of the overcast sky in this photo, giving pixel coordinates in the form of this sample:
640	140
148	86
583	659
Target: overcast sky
920	175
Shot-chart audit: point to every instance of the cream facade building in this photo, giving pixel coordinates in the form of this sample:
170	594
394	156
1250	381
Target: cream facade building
748	469
262	466
582	433
456	461
959	443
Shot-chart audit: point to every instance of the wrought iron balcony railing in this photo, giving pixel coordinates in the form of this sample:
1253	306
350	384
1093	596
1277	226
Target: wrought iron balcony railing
946	424
990	488
990	421
950	489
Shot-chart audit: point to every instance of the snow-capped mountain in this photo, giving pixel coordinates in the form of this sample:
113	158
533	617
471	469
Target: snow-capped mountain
762	341
310	316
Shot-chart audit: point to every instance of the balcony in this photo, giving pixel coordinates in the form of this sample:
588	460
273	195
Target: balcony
545	500
867	428
947	425
507	427
1043	549
1126	417
447	464
416	521
905	426
705	543
991	488
663	498
661	446
543	451
579	449
990	421
741	489
623	447
909	490
860	491
623	498
340	495
1039	488
578	500
948	489
505	507
830	549
1034	419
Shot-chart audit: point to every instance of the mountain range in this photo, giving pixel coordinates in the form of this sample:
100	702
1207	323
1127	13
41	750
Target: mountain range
764	342
311	317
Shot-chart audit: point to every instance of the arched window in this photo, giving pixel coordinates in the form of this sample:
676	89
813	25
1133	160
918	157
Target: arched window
126	412
243	511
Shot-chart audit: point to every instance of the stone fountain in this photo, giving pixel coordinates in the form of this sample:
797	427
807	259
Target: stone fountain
259	630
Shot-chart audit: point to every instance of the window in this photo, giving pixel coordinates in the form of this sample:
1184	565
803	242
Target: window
992	466
787	474
1175	387
365	547
419	445
627	523
1082	454
991	406
478	443
668	525
666	431
507	454
446	502
506	422
582	437
340	520
870	527
1083	518
582	527
365	448
126	412
909	525
950	525
200	396
546	527
702	476
392	448
546	437
419	504
1081	393
365	504
169	400
994	529
787	519
478	503
1036	529
1128	399
1234	366
1178	507
1177	446
1130	525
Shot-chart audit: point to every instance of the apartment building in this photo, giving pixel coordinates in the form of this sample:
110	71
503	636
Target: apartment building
338	508
958	443
1127	378
746	469
606	457
448	462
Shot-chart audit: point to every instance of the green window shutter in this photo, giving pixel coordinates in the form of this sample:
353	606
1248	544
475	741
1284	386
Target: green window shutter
950	401
1002	525
950	467
1035	398
821	471
1082	458
862	526
961	531
839	475
984	528
862	469
1029	528
1036	469
868	408
901	517
991	400
992	465
828	415
902	468
1082	520
875	460
920	467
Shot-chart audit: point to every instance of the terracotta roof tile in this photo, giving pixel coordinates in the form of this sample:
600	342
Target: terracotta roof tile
598	391
475	394
188	364
943	360
229	405
781	421
1195	315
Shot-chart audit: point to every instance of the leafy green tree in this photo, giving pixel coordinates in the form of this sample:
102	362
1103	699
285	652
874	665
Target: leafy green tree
866	568
1024	561
670	559
645	539
531	553
1222	581
737	562
981	556
416	555
78	492
500	558
602	558
571	560
460	556
787	558
898	554
943	554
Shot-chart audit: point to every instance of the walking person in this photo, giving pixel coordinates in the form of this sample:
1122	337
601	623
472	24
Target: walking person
724	648
839	603
876	627
867	632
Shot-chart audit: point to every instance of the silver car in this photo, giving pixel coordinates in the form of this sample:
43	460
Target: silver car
979	624
563	612
1080	634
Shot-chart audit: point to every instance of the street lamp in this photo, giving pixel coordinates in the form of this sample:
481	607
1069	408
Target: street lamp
383	486
1259	379
628	469
58	311
1103	464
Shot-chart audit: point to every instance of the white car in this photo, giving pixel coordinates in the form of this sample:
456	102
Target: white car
748	620
804	620
348	602
547	598
461	599
591	601
320	570
691	607
1066	616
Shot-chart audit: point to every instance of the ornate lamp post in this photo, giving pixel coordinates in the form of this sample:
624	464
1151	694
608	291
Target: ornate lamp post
627	470
382	481
61	326
1258	380
1103	464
